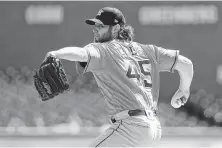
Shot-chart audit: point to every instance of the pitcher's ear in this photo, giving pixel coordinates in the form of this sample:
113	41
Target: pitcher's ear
115	28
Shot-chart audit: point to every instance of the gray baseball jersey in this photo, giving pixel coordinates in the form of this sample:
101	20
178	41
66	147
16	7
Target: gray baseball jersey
124	72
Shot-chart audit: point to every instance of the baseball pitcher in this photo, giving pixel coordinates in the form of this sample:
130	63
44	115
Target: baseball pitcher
127	74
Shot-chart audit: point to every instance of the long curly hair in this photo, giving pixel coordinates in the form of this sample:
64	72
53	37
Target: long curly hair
126	33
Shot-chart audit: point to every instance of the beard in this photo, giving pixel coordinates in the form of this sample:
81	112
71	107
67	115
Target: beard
108	36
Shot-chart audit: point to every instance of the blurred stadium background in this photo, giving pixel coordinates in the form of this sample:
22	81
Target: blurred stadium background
28	30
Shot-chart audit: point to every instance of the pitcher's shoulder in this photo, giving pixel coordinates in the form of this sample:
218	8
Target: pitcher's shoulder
145	47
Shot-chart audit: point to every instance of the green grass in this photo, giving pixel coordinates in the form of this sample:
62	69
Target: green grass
65	141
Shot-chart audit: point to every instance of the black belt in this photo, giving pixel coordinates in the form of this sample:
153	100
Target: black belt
135	112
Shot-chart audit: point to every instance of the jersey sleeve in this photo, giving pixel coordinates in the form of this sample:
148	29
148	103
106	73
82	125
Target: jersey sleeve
97	57
167	58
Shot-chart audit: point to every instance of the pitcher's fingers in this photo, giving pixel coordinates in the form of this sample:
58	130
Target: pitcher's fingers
178	101
184	99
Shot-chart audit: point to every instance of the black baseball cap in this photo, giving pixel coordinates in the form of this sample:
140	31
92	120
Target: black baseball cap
108	16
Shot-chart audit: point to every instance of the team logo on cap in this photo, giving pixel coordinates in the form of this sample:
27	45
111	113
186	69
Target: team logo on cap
100	12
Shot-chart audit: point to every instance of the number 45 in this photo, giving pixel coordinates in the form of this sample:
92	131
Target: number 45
134	73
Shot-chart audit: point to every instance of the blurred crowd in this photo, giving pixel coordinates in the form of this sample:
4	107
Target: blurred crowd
202	109
84	106
21	106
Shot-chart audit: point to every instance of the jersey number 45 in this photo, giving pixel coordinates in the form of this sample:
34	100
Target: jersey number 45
141	73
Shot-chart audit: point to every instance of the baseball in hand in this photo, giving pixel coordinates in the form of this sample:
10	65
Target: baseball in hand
179	98
176	103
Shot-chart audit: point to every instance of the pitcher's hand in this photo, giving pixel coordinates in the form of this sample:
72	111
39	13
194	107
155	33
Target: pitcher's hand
180	98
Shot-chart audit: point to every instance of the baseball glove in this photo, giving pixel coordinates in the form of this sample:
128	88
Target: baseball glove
50	79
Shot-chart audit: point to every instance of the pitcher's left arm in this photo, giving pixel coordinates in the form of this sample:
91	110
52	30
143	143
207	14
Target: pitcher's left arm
170	60
184	67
